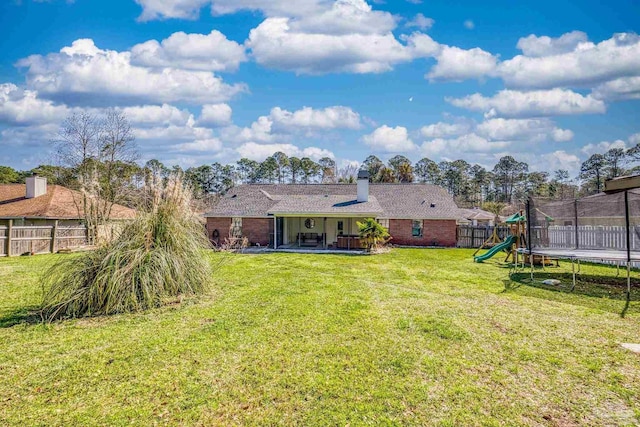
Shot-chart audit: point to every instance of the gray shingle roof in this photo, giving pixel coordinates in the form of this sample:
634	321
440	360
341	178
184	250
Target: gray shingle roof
477	214
327	204
401	201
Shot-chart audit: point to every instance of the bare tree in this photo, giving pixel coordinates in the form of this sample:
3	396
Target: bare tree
102	153
348	174
117	151
77	143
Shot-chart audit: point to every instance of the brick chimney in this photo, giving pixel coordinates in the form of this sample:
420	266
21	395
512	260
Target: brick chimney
363	186
36	186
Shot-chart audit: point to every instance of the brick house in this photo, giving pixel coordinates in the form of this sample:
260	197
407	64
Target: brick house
324	216
36	203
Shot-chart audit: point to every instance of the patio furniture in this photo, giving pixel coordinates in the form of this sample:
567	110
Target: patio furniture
349	242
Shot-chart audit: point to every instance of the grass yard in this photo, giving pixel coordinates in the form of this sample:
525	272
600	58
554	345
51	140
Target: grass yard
411	337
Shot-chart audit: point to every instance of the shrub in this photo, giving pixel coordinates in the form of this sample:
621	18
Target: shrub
157	256
372	233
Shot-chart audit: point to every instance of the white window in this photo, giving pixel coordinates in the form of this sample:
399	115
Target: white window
416	228
384	222
236	227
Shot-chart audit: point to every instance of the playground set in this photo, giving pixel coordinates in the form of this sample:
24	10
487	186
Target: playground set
603	228
515	241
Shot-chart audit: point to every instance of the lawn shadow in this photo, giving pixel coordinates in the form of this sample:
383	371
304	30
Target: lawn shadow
594	287
25	315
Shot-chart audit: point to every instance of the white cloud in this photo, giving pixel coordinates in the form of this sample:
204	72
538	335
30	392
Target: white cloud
469	24
259	152
390	140
535	46
215	115
157	115
23	107
442	130
587	65
602	147
281	124
160	9
84	74
562	135
275	44
548	162
622	88
634	139
510	103
198	146
30	145
500	129
206	52
465	144
460	64
190	9
470	139
420	21
346	17
420	45
337	117
260	131
348	37
172	133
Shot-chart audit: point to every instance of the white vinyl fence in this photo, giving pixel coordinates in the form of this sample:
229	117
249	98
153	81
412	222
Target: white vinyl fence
593	237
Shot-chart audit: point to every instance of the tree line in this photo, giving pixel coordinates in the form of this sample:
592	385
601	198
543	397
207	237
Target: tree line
99	153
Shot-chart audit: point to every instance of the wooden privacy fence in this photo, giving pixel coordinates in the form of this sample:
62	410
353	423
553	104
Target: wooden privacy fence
469	236
20	240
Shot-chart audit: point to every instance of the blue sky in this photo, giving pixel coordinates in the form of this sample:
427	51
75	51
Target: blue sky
549	82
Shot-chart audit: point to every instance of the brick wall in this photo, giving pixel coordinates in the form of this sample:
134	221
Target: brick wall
435	232
257	230
254	229
223	225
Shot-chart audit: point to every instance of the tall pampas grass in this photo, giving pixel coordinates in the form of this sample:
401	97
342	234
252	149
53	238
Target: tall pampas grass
156	257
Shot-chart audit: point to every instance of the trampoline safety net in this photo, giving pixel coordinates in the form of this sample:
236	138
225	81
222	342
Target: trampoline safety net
600	222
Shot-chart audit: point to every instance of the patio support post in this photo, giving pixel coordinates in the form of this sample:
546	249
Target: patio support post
324	233
299	231
275	232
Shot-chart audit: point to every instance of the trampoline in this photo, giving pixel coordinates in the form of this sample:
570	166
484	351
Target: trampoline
575	255
600	228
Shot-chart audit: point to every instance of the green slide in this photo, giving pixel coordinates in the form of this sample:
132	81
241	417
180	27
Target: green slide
497	248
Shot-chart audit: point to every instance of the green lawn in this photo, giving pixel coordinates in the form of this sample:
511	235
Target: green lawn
411	337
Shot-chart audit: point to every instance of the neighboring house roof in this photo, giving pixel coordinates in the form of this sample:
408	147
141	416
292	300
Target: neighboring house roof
477	214
398	201
57	203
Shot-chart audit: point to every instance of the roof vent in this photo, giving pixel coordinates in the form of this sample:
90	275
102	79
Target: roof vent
234	196
433	205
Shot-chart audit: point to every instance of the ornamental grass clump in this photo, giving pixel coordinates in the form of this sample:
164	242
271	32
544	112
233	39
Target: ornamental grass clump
156	258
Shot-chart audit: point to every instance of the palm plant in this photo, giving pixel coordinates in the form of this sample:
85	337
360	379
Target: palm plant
372	233
156	257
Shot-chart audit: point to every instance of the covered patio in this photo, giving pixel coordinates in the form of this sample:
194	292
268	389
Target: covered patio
320	222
